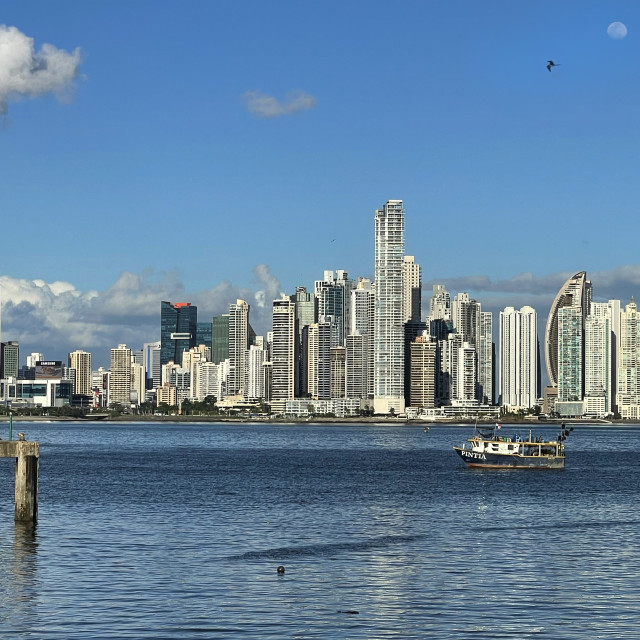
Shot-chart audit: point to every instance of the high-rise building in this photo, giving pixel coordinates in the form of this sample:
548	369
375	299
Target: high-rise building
283	352
423	372
597	361
33	358
204	334
575	292
440	303
253	386
439	318
362	321
465	314
220	338
486	359
464	390
629	363
518	369
238	345
9	359
306	315
178	329
412	279
152	366
320	360
355	367
610	310
338	372
388	332
475	327
120	376
570	359
333	295
412	330
81	362
207	380
137	394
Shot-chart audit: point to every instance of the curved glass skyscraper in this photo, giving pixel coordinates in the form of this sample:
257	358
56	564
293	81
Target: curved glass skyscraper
575	293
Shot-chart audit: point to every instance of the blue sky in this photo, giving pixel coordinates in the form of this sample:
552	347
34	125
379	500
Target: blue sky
208	150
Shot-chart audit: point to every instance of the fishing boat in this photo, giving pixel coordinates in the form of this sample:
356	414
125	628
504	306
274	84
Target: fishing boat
487	449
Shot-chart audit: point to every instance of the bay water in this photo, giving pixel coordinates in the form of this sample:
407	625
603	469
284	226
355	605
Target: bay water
177	530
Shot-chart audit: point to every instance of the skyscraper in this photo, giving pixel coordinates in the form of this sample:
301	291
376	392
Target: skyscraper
486	357
597	360
389	309
362	320
412	278
570	358
120	376
9	359
305	315
283	352
238	345
423	372
81	362
333	295
518	370
576	292
629	363
439	318
152	366
178	329
220	338
320	360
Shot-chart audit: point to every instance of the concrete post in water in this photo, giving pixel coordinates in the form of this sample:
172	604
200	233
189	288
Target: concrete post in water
26	488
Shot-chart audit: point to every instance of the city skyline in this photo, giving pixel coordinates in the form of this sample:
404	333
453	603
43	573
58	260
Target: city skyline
244	165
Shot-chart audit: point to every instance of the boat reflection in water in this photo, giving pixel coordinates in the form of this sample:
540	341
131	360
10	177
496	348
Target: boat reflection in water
488	449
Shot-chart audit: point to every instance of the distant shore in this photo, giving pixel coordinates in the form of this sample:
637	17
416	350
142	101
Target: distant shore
373	420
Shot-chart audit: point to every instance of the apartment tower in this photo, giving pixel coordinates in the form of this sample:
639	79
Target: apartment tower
388	332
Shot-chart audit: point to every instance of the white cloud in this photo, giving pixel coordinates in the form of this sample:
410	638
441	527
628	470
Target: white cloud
55	318
25	72
263	105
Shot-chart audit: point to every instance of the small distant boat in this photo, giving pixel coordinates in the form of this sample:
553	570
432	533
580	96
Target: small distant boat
486	449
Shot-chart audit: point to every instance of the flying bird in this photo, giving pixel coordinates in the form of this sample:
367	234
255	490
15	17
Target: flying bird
551	63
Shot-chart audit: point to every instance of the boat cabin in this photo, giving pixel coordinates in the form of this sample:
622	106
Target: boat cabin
512	446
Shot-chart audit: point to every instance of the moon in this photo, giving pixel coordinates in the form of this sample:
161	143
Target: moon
617	30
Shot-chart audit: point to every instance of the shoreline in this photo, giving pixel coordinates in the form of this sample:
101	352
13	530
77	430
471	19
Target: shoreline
400	422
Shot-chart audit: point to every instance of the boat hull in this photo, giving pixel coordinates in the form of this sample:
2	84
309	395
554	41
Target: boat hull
488	460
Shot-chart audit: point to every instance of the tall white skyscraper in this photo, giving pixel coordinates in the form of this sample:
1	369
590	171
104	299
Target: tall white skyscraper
518	369
81	362
629	363
254	373
320	360
283	352
388	334
597	360
485	358
362	316
610	310
120	376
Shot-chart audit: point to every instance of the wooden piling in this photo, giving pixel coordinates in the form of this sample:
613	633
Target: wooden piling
27	455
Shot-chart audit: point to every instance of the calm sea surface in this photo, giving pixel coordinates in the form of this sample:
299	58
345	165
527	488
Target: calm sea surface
176	531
